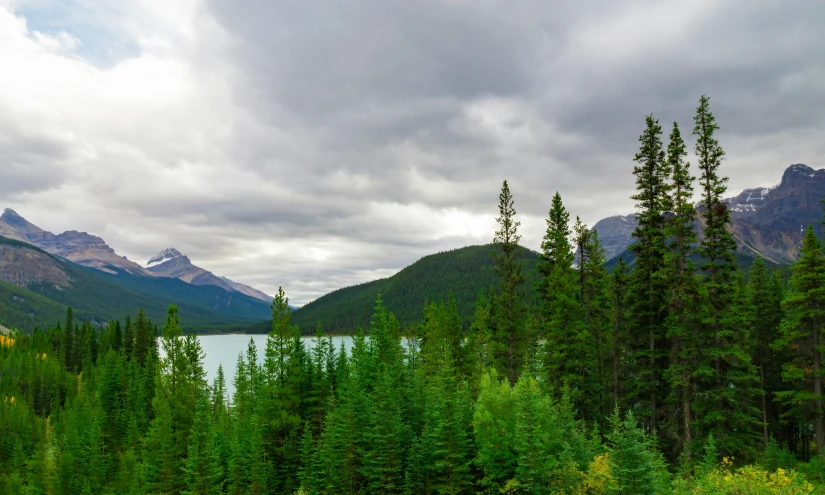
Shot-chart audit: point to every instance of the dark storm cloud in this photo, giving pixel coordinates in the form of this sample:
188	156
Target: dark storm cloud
29	162
364	78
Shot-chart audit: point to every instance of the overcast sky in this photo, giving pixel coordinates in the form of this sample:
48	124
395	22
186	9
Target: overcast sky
319	144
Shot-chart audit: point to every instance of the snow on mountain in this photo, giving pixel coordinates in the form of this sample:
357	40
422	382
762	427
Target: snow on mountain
165	255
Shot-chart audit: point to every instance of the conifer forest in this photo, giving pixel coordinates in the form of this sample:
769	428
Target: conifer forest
676	372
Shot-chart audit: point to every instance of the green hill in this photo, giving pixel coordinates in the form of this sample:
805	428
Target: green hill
465	271
100	296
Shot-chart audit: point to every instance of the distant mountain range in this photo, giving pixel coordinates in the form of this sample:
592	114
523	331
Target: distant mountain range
36	287
91	251
768	222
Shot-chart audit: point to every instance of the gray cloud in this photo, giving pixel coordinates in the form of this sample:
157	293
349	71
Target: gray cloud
315	145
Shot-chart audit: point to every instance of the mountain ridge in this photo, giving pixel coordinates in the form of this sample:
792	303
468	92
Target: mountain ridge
91	251
767	221
38	285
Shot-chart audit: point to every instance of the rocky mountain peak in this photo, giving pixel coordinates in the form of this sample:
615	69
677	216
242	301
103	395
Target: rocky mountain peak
800	172
167	254
14	220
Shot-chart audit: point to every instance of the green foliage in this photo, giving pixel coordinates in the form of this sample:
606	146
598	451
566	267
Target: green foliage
646	346
636	466
800	336
688	352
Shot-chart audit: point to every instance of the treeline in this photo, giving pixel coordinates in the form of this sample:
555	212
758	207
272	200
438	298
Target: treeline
654	378
462	272
695	353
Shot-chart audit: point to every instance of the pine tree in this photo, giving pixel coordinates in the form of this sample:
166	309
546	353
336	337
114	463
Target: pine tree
560	304
594	295
446	437
282	395
510	341
203	469
648	282
128	338
767	316
493	425
727	377
801	332
619	339
683	302
178	383
636	467
143	337
556	256
68	347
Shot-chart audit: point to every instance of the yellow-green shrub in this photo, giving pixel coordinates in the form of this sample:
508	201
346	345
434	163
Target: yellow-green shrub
749	480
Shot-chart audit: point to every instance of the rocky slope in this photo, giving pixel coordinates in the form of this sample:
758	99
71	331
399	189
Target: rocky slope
765	221
24	267
615	233
249	291
79	247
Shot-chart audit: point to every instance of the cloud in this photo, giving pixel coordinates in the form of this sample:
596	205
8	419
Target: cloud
316	145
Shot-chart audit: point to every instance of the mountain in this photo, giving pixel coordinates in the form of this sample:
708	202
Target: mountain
92	251
465	272
79	247
769	222
171	263
615	233
249	291
38	286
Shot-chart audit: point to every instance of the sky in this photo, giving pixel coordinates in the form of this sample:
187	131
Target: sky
317	145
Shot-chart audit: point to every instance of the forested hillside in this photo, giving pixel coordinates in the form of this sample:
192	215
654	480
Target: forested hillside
667	377
465	272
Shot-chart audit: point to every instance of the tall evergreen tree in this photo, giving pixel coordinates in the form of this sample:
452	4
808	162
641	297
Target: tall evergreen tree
683	301
765	303
68	347
559	304
594	294
727	383
203	469
556	256
508	335
619	340
143	337
801	333
648	283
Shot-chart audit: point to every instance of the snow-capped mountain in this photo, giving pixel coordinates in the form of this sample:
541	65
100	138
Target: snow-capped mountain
165	255
171	263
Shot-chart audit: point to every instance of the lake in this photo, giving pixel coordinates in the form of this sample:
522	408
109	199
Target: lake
224	350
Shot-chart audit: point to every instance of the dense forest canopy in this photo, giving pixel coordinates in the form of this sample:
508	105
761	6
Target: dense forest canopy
661	376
